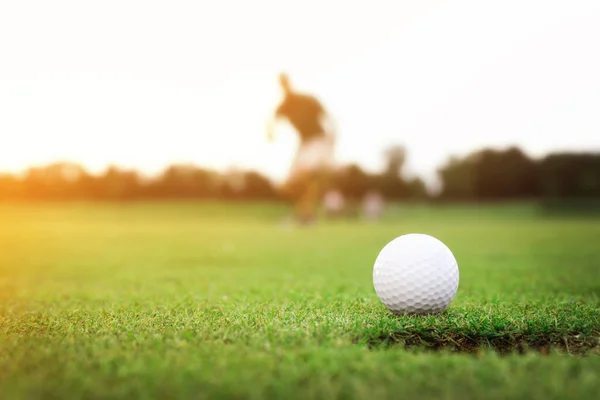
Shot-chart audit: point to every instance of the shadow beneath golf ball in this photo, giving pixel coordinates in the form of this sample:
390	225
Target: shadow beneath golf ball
469	342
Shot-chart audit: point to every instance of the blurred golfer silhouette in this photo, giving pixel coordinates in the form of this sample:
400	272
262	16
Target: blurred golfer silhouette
314	159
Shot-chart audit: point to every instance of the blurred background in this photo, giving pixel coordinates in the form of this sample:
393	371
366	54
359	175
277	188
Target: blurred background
433	101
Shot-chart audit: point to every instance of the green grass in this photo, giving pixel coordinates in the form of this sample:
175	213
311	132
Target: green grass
214	301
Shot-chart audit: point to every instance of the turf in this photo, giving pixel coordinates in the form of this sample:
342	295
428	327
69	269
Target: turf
182	300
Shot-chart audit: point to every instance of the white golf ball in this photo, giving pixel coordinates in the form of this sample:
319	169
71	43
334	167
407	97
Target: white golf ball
415	274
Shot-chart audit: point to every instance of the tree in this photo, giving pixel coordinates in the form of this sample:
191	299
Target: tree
55	181
391	184
490	174
458	179
185	181
118	184
352	181
257	186
570	175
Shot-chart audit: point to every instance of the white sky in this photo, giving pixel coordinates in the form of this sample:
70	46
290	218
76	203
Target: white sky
146	83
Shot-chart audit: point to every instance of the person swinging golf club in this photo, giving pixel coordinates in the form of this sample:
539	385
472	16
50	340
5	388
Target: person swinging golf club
314	158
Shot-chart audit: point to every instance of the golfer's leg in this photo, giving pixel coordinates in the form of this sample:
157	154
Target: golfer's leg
310	199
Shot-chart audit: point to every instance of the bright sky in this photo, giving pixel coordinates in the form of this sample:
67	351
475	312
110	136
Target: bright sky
145	83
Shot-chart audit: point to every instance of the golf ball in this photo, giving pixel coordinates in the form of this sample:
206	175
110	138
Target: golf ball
415	274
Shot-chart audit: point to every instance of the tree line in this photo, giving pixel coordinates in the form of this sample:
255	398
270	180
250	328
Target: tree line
491	174
487	174
68	181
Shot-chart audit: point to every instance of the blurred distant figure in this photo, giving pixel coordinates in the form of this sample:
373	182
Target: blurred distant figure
373	205
314	158
334	203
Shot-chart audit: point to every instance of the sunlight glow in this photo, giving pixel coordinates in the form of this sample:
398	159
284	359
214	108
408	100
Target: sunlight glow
144	84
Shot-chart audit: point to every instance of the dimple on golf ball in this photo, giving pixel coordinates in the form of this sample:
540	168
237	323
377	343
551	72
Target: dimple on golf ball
415	274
